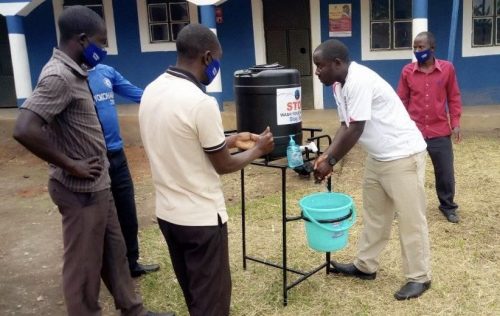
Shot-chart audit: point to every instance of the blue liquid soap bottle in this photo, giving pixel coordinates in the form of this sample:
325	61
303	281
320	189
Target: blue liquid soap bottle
294	154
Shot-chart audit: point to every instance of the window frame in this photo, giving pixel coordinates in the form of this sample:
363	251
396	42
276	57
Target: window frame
391	21
112	48
144	27
366	52
494	17
468	50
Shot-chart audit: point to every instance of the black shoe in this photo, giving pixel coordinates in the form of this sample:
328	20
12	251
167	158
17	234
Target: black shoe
141	269
149	313
350	269
412	290
305	169
451	216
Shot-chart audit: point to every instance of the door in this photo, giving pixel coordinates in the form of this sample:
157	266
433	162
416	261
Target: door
287	29
7	88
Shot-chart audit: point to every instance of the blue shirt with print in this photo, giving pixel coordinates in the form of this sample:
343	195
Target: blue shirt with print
104	82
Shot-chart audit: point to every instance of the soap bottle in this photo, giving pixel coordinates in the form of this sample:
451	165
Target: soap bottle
294	154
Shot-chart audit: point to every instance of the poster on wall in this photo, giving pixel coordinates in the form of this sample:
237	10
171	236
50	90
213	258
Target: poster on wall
340	20
288	106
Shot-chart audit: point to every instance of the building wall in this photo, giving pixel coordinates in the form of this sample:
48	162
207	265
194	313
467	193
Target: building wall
477	76
140	68
41	38
236	37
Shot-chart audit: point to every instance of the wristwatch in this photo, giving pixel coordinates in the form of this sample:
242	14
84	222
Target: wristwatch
332	161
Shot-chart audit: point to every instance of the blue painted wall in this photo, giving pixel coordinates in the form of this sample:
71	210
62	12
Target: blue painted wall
237	41
477	76
140	68
40	37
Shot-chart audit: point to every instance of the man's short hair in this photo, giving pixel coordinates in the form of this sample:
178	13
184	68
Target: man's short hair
194	39
332	49
78	19
430	38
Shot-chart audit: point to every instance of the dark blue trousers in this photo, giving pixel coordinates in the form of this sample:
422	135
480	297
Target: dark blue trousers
440	150
122	188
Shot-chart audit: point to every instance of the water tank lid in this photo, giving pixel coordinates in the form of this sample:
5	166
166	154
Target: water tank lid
262	67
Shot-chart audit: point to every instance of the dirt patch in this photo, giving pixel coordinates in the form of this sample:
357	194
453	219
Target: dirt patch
30	227
30	231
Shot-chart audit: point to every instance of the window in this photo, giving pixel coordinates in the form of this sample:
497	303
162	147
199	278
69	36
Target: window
386	29
166	19
95	5
481	28
485	23
390	24
103	7
160	21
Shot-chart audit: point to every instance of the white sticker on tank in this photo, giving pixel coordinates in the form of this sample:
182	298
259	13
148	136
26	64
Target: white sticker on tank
288	107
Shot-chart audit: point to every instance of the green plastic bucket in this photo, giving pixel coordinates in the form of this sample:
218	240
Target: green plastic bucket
328	217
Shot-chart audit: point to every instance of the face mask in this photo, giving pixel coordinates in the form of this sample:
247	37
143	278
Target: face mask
93	54
211	71
423	55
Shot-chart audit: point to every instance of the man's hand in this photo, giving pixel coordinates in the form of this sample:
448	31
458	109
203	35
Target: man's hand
322	168
246	140
265	141
89	168
457	135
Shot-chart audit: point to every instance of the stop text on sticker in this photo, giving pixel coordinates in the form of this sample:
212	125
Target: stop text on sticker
293	106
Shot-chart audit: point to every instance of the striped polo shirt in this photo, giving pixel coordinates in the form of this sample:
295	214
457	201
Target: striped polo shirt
63	99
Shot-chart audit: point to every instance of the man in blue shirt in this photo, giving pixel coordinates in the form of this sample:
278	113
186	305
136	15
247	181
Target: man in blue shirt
104	82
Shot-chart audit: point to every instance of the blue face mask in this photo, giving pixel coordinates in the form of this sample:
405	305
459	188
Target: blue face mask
423	55
93	54
211	71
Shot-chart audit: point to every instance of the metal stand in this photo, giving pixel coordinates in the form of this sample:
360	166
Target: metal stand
285	219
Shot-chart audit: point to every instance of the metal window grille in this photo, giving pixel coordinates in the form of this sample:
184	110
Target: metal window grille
166	19
390	24
485	23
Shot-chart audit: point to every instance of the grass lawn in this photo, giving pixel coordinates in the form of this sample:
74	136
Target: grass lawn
465	257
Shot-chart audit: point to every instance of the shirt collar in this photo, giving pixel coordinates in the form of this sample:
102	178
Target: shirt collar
437	65
180	73
60	55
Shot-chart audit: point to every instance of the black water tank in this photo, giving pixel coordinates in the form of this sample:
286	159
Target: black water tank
269	95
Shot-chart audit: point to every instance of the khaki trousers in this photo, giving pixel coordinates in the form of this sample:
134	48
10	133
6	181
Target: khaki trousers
389	187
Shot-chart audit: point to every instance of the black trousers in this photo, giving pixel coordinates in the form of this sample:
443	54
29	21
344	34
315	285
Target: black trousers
440	150
200	258
122	188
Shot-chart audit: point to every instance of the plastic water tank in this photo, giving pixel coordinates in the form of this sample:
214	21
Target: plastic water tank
269	95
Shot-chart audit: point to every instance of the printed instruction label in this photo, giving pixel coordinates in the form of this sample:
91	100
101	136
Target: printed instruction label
288	106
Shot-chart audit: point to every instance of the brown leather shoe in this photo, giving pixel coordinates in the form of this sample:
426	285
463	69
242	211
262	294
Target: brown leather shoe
350	269
412	290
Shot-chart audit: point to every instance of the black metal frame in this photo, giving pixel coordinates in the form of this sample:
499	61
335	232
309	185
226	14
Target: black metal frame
284	220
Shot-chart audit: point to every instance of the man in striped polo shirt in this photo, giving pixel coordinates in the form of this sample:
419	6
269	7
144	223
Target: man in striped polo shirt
58	123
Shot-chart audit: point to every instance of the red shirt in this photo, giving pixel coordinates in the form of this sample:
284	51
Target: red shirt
425	96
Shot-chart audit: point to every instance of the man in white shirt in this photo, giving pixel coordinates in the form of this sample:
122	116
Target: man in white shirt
182	133
372	114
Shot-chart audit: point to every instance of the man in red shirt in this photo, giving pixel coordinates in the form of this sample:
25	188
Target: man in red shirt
429	90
